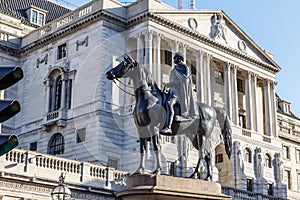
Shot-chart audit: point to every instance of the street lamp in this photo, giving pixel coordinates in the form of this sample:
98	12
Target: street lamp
61	192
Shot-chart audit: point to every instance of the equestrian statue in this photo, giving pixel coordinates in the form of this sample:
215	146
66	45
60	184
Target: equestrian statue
172	112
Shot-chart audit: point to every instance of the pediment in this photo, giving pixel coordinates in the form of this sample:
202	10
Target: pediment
217	26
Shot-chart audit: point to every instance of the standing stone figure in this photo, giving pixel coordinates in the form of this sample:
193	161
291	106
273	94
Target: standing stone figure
219	29
239	157
279	168
181	92
259	164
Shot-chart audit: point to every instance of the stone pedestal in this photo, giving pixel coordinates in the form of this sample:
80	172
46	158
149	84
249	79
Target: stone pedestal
161	187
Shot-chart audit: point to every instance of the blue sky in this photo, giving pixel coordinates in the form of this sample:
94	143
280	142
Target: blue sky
273	25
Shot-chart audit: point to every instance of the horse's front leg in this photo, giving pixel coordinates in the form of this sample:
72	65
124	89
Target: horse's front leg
157	151
141	169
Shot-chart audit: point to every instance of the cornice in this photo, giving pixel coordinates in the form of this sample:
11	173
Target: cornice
204	39
72	27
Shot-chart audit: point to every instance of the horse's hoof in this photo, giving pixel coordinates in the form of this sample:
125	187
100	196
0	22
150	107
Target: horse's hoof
157	171
139	171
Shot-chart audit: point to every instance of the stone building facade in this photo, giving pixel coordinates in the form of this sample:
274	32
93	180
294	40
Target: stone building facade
70	110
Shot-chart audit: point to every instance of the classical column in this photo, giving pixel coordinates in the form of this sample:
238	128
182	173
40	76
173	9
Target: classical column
139	48
274	109
184	47
267	105
63	92
255	113
148	48
157	58
228	90
208	85
200	77
49	84
175	48
249	100
235	95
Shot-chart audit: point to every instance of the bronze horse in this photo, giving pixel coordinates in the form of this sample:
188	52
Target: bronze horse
149	116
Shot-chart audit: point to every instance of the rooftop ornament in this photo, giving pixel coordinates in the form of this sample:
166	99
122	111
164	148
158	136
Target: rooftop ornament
61	192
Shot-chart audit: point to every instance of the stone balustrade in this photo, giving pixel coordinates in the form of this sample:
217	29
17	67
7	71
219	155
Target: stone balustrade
45	168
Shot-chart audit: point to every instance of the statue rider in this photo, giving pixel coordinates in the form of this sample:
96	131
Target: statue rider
181	92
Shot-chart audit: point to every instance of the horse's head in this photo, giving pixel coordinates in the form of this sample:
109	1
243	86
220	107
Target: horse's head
127	65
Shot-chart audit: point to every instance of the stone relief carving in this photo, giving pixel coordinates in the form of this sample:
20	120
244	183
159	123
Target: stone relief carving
193	24
42	60
82	42
242	46
218	28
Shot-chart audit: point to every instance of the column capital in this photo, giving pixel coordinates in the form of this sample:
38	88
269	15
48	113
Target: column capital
235	67
148	34
201	52
137	35
249	73
208	56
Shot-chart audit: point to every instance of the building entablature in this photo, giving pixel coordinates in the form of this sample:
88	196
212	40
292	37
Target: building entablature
94	12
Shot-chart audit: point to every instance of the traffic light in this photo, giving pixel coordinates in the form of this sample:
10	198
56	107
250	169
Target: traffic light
8	108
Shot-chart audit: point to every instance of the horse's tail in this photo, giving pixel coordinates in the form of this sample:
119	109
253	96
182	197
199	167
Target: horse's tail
224	123
227	136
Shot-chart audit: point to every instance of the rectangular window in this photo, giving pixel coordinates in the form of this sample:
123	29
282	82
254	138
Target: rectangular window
242	121
34	16
286	152
287	178
249	185
41	19
298	155
240	85
80	136
219	77
112	163
168	58
33	146
61	51
171	168
219	158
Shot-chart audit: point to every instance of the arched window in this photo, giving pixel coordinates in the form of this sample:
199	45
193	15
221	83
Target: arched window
248	155
56	144
268	161
59	86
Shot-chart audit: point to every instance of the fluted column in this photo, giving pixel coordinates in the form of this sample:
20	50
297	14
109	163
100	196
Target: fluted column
267	105
255	112
157	58
235	95
274	109
48	107
63	93
200	77
184	47
228	89
249	100
148	48
140	48
175	48
208	85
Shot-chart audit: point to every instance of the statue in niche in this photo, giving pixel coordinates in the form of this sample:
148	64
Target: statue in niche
239	156
259	163
219	28
279	168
